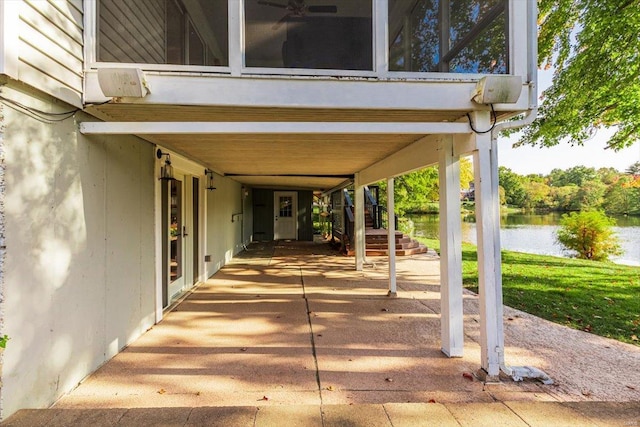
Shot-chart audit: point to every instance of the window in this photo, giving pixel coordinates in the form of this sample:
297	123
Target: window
181	32
309	34
458	36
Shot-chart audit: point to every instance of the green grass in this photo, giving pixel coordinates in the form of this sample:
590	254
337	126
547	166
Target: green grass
598	297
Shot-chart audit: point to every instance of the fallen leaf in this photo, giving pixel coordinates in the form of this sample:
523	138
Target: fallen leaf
630	387
197	393
468	376
586	393
263	398
389	380
243	349
432	401
162	391
634	338
330	388
509	318
385	309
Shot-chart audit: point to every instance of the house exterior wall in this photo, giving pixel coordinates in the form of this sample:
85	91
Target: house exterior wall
50	42
223	223
263	214
78	277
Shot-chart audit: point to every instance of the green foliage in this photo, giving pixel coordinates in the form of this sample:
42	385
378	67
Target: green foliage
419	190
3	341
589	234
597	297
576	175
515	193
594	47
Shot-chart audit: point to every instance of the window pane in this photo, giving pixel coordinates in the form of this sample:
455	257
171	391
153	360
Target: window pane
460	36
154	32
196	47
286	204
313	34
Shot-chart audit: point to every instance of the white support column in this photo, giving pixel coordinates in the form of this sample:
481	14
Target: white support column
359	224
489	260
451	320
391	238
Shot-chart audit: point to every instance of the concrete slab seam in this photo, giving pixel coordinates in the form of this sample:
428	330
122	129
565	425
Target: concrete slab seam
313	341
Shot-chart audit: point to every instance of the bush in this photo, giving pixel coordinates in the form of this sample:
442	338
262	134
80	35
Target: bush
589	234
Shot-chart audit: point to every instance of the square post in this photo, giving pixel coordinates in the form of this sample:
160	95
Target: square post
451	319
359	224
489	261
391	238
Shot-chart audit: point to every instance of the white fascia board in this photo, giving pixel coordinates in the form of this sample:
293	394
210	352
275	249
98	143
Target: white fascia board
418	155
301	128
306	92
9	22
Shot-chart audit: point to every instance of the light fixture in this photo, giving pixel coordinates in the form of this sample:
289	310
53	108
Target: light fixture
497	90
166	170
121	82
209	174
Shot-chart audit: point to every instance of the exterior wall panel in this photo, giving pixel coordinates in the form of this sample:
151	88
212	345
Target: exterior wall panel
50	48
305	215
78	278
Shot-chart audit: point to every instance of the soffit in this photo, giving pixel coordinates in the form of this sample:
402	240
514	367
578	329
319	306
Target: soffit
282	160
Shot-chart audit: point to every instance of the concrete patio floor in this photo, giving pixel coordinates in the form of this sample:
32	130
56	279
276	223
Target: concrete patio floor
290	334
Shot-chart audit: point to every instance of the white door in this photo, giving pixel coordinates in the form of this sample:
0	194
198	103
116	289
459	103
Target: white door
285	211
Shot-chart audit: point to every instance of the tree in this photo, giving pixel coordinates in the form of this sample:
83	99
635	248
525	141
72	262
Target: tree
512	183
634	169
576	175
595	49
589	234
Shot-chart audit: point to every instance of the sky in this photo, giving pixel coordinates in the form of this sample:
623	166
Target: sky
541	160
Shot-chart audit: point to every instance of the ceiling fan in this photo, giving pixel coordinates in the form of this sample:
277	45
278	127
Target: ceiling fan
297	8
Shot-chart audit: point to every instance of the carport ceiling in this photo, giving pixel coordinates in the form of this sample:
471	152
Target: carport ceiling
311	161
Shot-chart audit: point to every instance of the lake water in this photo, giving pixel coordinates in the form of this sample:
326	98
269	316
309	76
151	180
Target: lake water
532	233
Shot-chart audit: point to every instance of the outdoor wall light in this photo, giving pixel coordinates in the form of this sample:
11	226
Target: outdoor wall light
166	170
209	174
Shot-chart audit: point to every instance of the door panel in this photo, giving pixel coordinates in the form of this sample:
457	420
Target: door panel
176	236
285	215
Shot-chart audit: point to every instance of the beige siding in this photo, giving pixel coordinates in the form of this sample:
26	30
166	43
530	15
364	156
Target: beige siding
50	55
131	31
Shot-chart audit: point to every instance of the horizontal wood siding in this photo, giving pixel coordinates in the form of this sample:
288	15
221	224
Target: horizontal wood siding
50	52
131	31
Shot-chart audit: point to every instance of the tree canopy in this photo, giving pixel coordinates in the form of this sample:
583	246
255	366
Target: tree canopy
594	47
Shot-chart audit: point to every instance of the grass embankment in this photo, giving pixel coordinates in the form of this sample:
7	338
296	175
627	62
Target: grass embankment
598	297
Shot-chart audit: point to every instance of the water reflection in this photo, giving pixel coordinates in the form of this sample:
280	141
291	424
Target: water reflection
535	233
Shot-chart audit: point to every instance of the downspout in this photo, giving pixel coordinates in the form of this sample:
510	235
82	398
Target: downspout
532	112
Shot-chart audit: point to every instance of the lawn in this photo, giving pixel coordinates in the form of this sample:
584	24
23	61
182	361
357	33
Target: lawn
598	297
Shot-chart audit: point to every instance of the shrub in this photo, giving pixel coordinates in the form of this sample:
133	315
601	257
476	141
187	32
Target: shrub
589	234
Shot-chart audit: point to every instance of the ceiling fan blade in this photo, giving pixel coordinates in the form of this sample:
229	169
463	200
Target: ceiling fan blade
323	9
270	3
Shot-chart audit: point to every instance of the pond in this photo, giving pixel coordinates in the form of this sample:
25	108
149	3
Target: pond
535	233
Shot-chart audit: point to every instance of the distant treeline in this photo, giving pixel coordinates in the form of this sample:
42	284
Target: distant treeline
574	189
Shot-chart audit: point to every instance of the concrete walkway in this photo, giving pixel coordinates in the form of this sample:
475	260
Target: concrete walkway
289	334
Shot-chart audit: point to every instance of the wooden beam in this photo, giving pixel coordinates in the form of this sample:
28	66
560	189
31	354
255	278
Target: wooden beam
270	128
418	155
